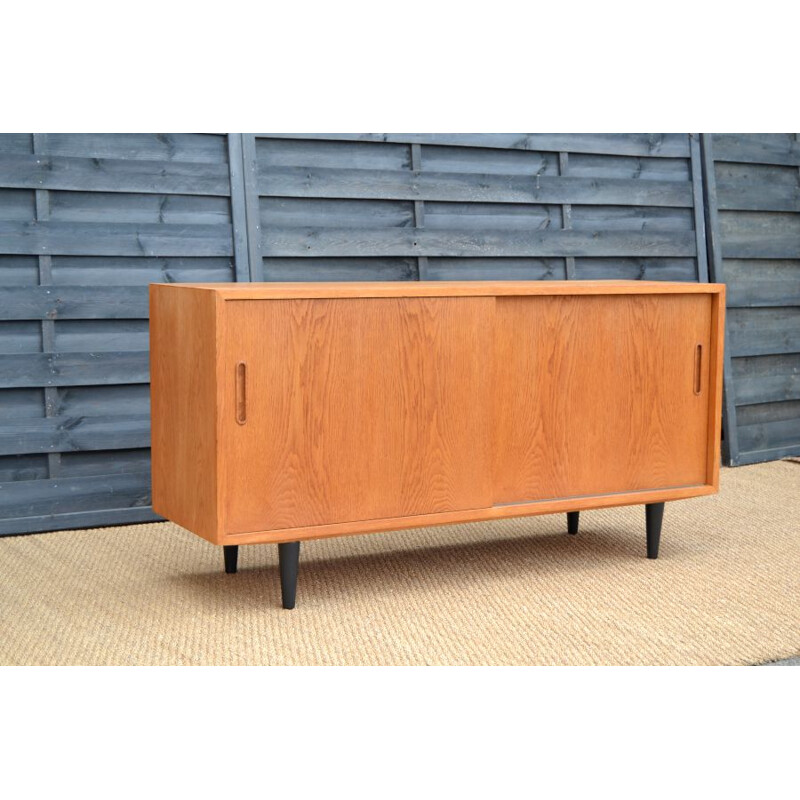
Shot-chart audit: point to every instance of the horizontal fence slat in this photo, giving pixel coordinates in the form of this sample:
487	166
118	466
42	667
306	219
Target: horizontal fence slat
86	463
467	187
113	175
73	369
749	148
763	331
102	401
103	517
16	142
673	145
70	495
761	413
65	434
312	242
634	269
340	269
73	302
101	335
123	271
763	245
754	283
760	456
769	435
766	379
21	403
769	426
32	467
750	196
529	269
114	239
194	147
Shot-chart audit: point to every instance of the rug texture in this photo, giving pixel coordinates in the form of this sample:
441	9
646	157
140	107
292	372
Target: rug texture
725	590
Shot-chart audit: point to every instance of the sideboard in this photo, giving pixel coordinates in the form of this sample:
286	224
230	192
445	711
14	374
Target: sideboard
283	412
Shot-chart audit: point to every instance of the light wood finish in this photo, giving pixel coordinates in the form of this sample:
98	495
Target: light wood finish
559	506
183	401
357	409
716	362
291	291
293	411
596	395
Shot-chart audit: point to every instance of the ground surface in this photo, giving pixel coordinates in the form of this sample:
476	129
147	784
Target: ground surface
724	591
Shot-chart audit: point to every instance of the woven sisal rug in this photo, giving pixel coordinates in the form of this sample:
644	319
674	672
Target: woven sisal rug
725	590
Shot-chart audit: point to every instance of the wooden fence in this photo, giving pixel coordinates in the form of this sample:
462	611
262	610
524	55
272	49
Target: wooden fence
753	187
483	206
87	221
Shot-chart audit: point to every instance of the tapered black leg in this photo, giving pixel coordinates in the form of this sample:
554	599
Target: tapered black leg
289	560
572	521
231	554
654	514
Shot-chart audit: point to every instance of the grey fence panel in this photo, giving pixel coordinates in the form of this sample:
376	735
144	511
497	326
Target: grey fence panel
87	221
477	206
753	191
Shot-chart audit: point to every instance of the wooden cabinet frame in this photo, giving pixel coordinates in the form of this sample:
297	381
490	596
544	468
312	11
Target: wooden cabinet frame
327	413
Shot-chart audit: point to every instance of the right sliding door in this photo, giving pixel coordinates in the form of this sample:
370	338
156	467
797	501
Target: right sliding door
599	394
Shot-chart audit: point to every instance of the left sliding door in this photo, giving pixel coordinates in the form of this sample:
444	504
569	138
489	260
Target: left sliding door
340	410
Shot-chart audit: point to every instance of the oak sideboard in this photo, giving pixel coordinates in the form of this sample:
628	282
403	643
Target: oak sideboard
283	412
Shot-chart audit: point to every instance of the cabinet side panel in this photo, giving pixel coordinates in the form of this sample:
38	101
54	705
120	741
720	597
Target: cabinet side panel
183	407
717	352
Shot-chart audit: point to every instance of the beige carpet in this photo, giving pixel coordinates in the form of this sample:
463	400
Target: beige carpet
726	590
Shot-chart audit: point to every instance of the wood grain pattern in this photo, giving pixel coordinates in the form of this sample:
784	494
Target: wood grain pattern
595	395
99	216
113	175
667	145
716	364
475	242
470	515
115	239
183	392
352	200
72	369
367	407
466	187
277	291
357	409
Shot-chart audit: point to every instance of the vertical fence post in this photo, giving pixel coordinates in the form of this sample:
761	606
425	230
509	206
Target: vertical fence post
48	326
730	443
699	207
419	211
566	216
241	256
251	203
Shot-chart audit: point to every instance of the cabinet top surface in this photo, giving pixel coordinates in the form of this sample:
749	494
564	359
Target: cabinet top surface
274	291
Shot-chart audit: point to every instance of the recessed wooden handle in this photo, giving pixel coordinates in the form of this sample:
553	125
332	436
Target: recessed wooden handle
241	393
698	369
